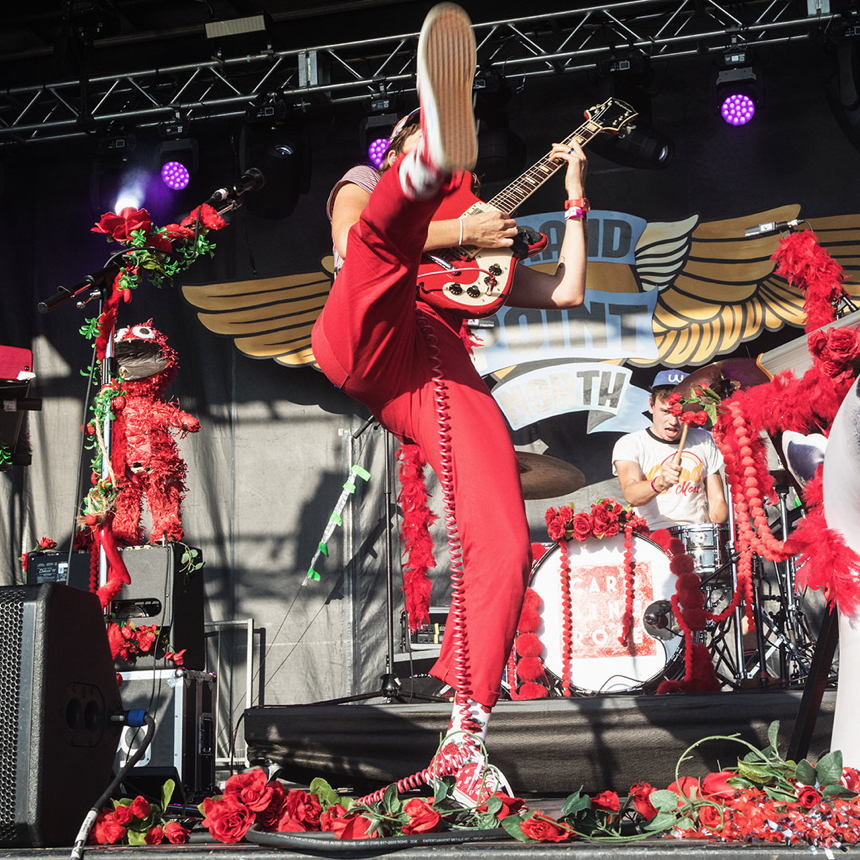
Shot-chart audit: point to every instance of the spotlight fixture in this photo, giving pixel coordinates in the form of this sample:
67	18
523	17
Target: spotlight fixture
375	129
739	87
274	141
627	75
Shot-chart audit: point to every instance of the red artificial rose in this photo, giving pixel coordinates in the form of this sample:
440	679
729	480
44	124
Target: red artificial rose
146	637
716	785
176	834
331	814
550	515
304	808
555	529
600	519
640	792
174	231
422	817
250	789
687	787
160	241
352	825
123	225
269	817
582	526
226	820
123	814
808	797
140	808
565	513
843	344
510	805
607	800
47	543
700	418
106	831
543	829
209	218
710	817
676	409
154	836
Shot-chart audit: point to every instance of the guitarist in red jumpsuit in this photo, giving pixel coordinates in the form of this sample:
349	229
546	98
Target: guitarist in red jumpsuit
382	344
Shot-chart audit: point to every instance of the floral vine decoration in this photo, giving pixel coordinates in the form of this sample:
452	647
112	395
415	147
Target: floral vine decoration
702	407
158	254
44	544
763	797
606	519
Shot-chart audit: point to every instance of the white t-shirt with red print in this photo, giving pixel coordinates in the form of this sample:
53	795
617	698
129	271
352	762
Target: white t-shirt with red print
686	502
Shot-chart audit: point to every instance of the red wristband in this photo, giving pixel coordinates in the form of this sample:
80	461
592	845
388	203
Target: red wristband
653	487
579	203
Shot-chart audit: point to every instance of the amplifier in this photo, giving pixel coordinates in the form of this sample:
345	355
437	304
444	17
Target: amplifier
182	703
160	593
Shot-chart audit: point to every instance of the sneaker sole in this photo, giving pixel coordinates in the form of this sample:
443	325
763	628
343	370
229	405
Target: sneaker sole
446	72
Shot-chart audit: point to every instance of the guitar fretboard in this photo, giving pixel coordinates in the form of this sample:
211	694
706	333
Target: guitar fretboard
511	197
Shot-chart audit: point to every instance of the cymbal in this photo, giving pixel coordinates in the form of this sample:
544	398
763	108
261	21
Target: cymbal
546	477
724	377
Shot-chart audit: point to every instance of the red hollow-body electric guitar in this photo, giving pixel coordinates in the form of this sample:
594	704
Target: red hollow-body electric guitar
475	282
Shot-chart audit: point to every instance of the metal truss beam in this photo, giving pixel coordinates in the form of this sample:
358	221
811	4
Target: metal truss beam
553	44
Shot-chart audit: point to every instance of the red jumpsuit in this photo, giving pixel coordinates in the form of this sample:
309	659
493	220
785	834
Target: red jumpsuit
368	343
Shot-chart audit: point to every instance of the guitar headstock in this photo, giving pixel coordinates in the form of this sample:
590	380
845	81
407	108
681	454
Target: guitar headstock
612	115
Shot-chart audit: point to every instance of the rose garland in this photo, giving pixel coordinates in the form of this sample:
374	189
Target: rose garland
764	797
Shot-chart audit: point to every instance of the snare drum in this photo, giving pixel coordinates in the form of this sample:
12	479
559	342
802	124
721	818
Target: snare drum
706	543
599	662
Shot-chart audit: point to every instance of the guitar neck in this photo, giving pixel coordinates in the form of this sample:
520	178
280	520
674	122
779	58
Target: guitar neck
521	189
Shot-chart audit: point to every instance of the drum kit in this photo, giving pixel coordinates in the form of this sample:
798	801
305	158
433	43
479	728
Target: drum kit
778	651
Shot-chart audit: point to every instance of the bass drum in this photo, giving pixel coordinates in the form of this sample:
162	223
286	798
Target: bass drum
599	663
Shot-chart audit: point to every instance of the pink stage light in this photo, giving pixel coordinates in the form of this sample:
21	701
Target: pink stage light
738	109
175	175
376	151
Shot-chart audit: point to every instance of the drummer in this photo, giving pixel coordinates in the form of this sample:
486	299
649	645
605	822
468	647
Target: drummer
664	493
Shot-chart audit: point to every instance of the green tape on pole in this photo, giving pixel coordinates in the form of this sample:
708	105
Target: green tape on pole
335	518
312	574
323	548
349	486
361	472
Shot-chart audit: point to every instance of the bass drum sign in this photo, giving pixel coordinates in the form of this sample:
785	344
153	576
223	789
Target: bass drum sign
599	663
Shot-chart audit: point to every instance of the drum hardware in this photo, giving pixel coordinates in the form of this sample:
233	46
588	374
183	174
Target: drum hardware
546	477
659	620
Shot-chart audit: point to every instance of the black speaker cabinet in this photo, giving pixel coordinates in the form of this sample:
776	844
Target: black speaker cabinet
161	593
58	692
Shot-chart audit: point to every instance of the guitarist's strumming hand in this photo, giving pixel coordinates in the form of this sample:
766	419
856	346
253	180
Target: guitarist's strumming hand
488	228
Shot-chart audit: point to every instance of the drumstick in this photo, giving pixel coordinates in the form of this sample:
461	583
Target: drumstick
681	444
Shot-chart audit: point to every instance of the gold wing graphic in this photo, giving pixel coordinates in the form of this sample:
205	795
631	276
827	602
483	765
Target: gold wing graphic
725	291
267	318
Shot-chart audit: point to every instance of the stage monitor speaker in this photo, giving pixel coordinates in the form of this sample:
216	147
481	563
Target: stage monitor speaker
58	692
161	593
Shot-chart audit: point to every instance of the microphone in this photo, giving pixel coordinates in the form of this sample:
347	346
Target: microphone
251	180
771	227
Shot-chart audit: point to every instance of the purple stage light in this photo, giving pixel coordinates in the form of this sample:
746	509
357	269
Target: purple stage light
376	151
175	175
738	109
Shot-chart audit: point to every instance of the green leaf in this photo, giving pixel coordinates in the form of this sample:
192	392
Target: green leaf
494	804
780	795
167	793
136	837
686	824
760	774
829	768
576	802
664	800
661	821
324	791
805	773
838	791
773	733
513	825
